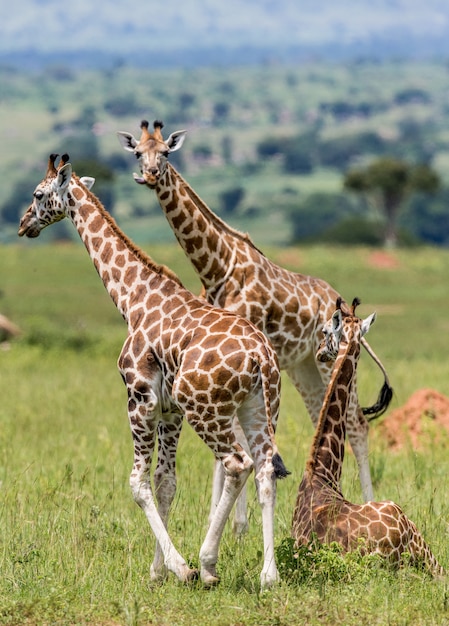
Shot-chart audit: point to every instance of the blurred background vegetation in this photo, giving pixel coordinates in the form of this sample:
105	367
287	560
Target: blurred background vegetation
284	151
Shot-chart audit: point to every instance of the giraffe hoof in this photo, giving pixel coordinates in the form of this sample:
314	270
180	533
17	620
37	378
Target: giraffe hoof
209	577
210	581
268	581
158	574
191	576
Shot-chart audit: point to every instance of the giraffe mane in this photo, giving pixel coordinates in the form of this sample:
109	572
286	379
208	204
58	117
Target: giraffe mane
138	252
211	216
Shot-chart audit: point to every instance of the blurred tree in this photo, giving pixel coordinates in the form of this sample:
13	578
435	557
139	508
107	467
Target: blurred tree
388	182
298	157
221	111
355	230
227	146
121	105
19	200
202	151
428	220
230	199
186	100
270	146
104	179
341	151
412	95
316	214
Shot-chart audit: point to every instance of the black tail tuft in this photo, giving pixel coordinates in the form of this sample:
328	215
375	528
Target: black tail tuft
280	471
383	401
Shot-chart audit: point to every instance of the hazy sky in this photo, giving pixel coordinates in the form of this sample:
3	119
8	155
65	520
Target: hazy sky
52	24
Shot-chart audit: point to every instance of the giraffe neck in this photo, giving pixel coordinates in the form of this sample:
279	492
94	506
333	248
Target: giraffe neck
209	242
328	446
122	267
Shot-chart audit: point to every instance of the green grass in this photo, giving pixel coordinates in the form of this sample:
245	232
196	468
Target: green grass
75	549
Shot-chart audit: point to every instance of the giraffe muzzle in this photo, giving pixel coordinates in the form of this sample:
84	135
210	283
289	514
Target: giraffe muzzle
29	228
139	179
147	179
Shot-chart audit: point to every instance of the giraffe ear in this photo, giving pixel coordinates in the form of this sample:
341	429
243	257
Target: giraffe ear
368	322
176	139
336	320
127	141
87	181
64	176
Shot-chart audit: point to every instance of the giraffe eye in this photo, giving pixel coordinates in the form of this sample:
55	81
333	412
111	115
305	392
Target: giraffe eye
138	155
38	195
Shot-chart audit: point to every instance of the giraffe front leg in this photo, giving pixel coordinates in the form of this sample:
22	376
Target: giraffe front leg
357	431
165	482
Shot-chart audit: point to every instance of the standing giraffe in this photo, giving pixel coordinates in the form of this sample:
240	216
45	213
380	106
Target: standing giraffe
182	357
289	308
321	511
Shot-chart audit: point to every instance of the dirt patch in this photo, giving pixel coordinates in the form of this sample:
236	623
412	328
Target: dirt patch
383	260
421	422
289	258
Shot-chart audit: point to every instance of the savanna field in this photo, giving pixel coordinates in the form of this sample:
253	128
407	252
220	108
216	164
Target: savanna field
76	549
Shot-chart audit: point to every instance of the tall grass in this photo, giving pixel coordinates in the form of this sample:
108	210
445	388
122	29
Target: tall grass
75	549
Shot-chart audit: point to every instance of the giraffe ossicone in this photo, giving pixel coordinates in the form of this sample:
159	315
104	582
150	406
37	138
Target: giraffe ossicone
321	511
290	308
182	358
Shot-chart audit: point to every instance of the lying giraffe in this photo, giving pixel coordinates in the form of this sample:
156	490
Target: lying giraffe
321	510
289	308
182	357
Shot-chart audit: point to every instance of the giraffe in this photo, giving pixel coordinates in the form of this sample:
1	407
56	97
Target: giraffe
290	308
321	511
182	358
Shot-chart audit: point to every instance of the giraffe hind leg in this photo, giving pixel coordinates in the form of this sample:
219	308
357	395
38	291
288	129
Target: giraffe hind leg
237	468
240	524
143	496
165	483
420	552
266	492
144	414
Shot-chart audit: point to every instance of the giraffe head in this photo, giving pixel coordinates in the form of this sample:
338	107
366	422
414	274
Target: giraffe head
49	205
342	328
151	150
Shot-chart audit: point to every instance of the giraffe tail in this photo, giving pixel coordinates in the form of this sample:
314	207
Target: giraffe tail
279	469
385	394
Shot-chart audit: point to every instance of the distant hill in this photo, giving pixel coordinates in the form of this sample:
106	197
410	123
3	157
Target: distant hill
200	32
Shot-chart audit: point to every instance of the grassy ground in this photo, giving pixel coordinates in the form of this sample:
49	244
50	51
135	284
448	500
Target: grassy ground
75	549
